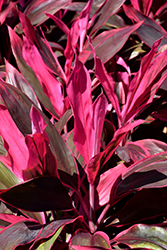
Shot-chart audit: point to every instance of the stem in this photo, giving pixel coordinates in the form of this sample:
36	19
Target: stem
102	215
92	207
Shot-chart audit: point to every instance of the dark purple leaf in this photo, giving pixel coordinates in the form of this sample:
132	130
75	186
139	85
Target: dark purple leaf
144	205
150	172
109	8
40	194
16	79
108	43
150	30
36	9
18	106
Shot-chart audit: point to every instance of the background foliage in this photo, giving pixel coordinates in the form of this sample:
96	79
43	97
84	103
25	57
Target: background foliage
83	131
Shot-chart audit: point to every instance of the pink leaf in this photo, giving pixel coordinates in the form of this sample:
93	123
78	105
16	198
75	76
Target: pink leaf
107	181
108	84
79	93
100	159
60	23
99	111
51	86
144	85
83	22
77	30
41	159
38	123
145	5
14	142
43	46
5	12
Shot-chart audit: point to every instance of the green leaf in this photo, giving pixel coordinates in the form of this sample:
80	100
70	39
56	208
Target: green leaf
48	244
7	178
40	194
143	236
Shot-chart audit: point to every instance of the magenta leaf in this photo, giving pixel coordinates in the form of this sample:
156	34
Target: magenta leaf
145	84
107	181
83	22
38	122
60	23
6	11
98	161
145	5
150	31
79	94
108	84
12	219
135	151
18	152
65	160
98	239
66	163
49	83
43	46
99	111
132	152
27	72
41	159
33	195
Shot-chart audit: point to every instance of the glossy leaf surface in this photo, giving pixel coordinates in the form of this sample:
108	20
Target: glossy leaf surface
33	195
